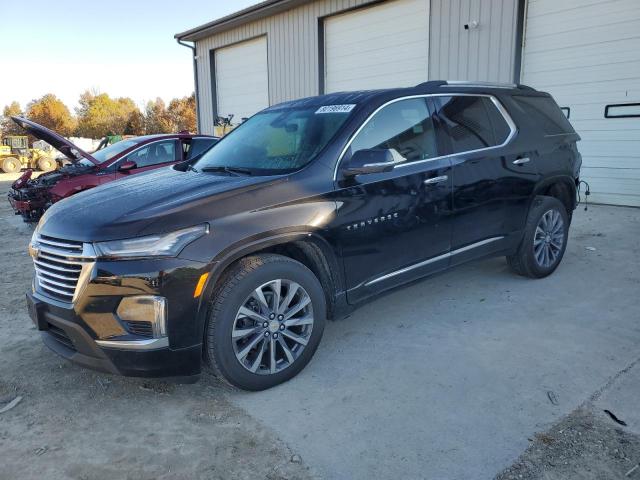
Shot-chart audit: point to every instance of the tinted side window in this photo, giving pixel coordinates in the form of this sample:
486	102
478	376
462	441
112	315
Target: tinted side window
471	123
198	146
405	126
154	154
546	113
500	126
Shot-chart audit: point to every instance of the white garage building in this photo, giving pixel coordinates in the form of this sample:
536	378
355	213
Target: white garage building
584	52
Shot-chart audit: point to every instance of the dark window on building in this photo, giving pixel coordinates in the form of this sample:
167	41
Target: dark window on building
471	123
404	126
545	113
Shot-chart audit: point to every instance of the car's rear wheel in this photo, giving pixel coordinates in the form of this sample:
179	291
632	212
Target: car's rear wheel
47	164
544	241
265	321
11	165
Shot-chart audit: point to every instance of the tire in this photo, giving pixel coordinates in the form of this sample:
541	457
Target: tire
234	358
47	164
544	241
11	165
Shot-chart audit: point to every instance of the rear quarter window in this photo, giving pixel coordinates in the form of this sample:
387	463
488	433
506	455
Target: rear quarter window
471	122
545	113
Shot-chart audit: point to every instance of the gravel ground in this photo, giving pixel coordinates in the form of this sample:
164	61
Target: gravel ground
76	424
581	446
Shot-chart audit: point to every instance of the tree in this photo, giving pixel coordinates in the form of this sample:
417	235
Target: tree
182	114
8	126
50	112
135	124
157	119
100	115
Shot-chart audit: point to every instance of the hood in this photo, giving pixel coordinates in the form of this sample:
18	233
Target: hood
156	201
70	150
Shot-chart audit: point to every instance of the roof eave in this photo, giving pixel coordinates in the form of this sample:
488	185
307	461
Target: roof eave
249	14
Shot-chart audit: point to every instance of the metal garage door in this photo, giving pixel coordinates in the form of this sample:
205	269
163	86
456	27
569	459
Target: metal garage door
376	47
242	79
473	40
587	54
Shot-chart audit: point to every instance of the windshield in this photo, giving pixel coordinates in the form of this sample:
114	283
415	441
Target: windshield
109	152
276	141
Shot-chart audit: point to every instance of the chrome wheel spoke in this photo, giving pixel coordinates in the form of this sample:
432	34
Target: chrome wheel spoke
276	287
272	356
294	322
296	338
249	313
548	238
272	327
302	303
286	349
243	332
258	294
258	360
293	289
245	351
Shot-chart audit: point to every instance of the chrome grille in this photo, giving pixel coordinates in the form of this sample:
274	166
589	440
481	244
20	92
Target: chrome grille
61	266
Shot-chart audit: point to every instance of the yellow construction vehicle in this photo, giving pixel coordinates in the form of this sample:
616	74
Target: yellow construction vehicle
15	154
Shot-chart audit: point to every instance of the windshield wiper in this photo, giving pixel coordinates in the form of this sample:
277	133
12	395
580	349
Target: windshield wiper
221	168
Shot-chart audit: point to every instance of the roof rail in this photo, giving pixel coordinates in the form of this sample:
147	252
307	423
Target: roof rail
466	83
432	83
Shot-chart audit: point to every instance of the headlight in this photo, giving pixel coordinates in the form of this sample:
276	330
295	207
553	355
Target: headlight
161	245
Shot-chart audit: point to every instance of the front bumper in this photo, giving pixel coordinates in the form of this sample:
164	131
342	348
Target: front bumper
24	206
89	332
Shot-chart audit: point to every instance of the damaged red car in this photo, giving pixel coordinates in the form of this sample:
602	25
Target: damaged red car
30	197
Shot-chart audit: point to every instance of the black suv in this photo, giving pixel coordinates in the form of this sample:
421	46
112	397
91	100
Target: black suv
307	209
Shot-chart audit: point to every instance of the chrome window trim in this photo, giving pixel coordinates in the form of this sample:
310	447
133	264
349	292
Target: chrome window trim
433	260
513	129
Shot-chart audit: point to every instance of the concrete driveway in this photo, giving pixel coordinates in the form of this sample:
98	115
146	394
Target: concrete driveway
448	378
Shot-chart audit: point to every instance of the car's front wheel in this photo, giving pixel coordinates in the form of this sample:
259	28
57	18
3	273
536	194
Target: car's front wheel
265	321
544	240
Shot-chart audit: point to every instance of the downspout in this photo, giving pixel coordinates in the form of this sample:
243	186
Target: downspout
195	79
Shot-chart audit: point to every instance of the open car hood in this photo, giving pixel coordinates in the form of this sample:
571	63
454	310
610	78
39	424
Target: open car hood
64	146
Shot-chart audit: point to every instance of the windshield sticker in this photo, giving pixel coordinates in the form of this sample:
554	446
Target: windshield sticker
336	108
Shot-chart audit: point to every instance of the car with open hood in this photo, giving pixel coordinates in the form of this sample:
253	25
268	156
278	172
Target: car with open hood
30	197
301	213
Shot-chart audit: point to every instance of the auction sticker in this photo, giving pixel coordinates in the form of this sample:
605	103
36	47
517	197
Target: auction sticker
336	108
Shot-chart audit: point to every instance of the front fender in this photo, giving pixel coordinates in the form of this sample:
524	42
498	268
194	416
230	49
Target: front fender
244	248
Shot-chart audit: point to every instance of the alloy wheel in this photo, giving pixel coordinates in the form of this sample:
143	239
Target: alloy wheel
272	327
548	239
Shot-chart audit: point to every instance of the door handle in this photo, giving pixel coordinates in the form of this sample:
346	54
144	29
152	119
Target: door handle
521	161
431	181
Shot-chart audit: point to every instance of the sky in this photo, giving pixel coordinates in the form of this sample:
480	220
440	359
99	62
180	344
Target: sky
122	48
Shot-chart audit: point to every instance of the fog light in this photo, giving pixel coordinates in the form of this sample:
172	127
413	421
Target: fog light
145	308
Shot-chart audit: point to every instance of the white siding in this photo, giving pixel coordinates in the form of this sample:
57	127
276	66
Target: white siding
242	82
586	53
294	64
378	47
485	53
292	51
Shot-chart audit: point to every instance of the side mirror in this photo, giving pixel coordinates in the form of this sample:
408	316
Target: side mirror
373	160
127	166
